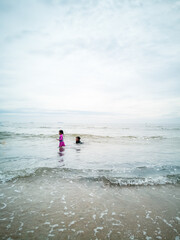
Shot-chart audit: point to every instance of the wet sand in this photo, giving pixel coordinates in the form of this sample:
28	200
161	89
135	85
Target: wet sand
51	208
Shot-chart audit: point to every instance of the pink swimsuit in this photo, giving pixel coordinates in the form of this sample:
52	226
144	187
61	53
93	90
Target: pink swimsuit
61	142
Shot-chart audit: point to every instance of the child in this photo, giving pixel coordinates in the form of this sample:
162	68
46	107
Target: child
61	142
78	140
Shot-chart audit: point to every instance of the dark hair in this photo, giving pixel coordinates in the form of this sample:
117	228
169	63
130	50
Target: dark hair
61	131
78	139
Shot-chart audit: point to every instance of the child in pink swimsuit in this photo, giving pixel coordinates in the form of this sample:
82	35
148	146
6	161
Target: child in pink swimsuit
61	142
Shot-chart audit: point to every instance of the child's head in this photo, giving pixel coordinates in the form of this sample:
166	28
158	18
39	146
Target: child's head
78	139
61	132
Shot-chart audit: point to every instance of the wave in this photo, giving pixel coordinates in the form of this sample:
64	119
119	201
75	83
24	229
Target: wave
105	177
170	129
165	128
5	135
138	181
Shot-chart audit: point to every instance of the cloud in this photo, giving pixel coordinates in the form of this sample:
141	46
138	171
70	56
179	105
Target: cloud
105	56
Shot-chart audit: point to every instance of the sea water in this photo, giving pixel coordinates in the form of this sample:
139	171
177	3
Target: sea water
121	183
123	154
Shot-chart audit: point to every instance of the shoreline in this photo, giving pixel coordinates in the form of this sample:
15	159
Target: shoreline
40	208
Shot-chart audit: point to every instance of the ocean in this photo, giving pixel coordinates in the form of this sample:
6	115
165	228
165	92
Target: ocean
93	190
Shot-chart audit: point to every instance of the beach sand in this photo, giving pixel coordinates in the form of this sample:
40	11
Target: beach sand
52	208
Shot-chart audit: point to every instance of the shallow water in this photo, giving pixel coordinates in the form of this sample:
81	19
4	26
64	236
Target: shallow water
122	183
121	154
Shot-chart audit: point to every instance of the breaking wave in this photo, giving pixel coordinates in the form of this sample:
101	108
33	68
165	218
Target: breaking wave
99	176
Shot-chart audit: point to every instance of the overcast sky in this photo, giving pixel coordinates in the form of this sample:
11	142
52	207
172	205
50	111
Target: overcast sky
119	57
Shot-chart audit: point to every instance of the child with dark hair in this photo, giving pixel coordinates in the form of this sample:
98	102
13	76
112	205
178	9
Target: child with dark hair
78	140
61	141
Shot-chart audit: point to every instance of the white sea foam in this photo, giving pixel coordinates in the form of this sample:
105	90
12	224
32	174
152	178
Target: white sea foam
97	229
4	206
